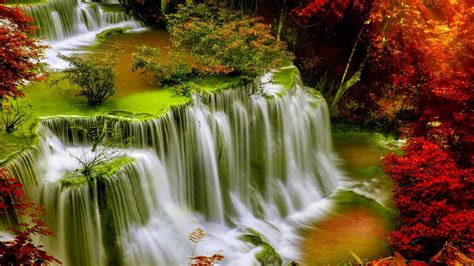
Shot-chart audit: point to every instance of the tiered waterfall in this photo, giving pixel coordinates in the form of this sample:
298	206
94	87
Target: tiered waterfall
232	163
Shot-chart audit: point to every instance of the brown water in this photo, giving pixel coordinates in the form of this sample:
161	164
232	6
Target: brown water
357	224
129	82
357	230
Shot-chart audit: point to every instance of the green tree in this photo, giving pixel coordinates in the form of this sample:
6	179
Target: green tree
93	74
224	41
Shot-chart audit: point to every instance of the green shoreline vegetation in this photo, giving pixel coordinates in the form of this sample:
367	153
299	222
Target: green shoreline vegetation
103	170
48	100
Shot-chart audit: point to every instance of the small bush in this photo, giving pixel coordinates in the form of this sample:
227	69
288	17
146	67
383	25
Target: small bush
14	115
93	74
172	70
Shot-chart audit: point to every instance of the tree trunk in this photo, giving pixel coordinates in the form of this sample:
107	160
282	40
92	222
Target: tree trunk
344	86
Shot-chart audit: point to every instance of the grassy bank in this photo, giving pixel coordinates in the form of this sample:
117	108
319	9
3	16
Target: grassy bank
48	99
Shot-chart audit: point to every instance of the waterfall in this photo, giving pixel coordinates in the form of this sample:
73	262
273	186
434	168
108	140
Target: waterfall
61	19
66	25
230	163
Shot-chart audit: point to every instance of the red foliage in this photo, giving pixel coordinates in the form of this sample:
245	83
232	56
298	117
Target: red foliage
19	54
423	58
21	250
434	197
205	260
334	9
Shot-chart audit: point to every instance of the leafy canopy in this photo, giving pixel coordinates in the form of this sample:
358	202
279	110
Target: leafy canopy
20	55
223	41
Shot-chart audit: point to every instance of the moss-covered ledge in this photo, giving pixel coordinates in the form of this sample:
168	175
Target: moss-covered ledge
268	255
102	170
52	102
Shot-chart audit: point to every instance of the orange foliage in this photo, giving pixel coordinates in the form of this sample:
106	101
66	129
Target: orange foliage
423	52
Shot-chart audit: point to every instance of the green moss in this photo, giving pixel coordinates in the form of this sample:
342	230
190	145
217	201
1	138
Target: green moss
104	35
102	170
48	100
346	200
368	172
220	83
27	1
285	77
350	136
112	8
268	256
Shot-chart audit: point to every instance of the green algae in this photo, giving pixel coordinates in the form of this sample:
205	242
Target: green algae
106	34
268	255
102	170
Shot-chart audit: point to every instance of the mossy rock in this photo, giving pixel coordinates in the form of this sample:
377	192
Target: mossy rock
101	170
268	256
104	35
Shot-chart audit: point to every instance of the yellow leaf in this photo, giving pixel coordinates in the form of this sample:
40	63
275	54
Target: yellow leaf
358	259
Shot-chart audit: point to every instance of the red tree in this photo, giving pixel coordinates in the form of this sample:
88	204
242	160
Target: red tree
22	249
423	59
310	9
20	55
435	200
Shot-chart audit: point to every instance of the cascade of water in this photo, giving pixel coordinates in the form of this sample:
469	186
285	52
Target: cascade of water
227	163
61	19
68	24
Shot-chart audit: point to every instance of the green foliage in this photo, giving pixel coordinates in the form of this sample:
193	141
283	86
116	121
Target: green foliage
106	144
187	88
93	74
268	256
174	70
14	114
104	35
101	170
223	41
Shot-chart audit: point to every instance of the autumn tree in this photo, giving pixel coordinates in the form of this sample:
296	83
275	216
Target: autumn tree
22	249
20	55
333	36
422	69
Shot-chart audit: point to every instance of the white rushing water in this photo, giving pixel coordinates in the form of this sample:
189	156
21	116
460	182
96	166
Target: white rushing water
67	26
234	164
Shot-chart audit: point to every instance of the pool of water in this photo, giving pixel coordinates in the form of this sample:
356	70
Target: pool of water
129	82
356	223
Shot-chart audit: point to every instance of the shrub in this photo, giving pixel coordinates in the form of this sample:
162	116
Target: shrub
223	41
93	74
434	197
106	144
172	70
14	115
